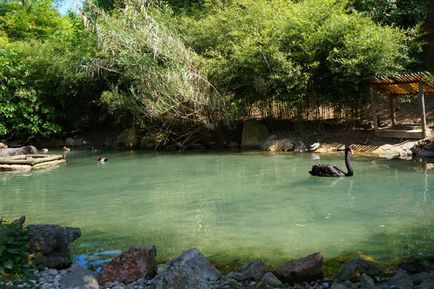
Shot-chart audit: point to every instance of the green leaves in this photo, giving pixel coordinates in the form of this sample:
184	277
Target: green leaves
13	248
263	52
21	113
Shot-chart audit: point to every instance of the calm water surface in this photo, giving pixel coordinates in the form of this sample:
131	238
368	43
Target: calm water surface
231	205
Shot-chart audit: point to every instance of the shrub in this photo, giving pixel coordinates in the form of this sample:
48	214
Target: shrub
14	248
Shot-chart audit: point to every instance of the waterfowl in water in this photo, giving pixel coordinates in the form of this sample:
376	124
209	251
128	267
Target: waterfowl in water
334	171
44	150
314	146
66	149
101	159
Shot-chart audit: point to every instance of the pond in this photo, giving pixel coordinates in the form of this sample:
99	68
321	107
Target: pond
233	206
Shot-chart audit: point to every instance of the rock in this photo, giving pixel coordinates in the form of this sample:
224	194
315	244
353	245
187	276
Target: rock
300	147
229	282
190	270
354	269
420	277
418	263
306	269
131	265
3	146
273	144
25	150
77	277
74	141
401	280
269	279
252	271
425	154
50	244
127	139
254	134
426	284
367	282
338	286
19	221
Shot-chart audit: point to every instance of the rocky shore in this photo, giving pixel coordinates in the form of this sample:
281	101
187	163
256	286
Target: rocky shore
191	270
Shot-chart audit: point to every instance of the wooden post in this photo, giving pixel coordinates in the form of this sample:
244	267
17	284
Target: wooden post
374	108
392	109
422	108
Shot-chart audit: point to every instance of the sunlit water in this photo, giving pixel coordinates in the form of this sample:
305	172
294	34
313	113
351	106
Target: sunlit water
231	205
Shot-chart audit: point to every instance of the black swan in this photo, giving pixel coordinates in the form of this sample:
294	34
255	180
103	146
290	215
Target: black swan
334	171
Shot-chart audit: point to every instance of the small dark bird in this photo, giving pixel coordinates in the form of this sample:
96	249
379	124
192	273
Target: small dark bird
334	171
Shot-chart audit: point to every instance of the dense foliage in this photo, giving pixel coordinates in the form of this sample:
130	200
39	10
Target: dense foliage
153	76
14	248
310	50
178	66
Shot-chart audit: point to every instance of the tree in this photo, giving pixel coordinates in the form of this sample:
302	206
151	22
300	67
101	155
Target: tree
312	50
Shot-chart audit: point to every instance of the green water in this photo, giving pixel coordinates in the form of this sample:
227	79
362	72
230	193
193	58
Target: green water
231	205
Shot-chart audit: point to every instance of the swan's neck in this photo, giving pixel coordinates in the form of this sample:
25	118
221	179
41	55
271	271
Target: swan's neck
348	164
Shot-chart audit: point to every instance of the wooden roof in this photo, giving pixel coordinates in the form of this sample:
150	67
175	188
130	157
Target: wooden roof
403	84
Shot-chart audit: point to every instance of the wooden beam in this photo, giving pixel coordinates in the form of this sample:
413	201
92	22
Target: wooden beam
373	108
422	109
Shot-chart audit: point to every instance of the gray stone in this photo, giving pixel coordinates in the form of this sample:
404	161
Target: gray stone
300	147
195	260
420	277
24	150
401	280
78	278
425	154
338	286
355	268
229	282
273	144
50	244
254	134
418	263
19	221
306	269
367	282
426	284
269	279
252	271
190	270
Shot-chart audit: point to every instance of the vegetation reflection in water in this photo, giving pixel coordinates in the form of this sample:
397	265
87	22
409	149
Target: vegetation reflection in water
231	205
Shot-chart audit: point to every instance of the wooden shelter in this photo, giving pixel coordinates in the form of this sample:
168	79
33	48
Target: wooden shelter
402	85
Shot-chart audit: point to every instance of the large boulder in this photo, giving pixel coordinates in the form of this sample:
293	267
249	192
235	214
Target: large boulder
77	277
354	269
190	270
254	134
24	150
127	139
252	271
50	244
133	264
306	269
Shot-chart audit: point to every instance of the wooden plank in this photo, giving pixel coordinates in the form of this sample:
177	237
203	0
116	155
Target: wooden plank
29	159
